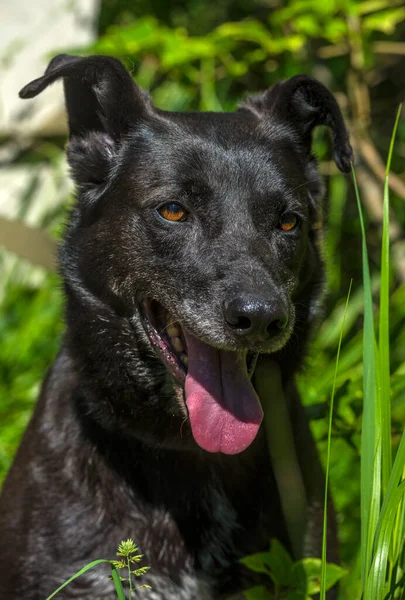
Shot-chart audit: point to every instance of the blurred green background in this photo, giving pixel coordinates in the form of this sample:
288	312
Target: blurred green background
208	55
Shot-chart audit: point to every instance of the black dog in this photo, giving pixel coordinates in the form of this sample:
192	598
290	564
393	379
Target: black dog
192	249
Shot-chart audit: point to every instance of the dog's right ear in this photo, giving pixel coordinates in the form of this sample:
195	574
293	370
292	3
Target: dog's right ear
303	103
103	103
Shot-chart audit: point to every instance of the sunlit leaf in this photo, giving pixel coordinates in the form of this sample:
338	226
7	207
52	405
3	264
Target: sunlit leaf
258	592
306	575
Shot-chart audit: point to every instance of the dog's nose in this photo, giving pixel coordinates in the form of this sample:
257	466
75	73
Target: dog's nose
255	318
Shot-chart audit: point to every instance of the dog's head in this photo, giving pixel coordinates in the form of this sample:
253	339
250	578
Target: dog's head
204	224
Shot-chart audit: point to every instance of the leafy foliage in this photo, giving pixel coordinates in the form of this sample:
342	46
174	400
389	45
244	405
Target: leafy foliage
289	580
211	68
30	330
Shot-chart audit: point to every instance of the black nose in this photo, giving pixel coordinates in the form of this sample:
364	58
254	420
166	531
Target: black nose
256	318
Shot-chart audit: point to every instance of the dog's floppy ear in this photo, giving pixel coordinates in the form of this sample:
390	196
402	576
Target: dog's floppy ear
302	103
102	103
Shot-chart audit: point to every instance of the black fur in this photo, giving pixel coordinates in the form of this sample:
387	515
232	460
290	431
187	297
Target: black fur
109	452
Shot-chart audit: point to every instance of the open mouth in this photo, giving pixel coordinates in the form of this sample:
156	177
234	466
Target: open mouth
167	337
169	340
223	407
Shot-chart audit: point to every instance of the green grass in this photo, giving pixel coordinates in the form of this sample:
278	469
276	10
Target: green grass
371	426
328	453
382	524
382	486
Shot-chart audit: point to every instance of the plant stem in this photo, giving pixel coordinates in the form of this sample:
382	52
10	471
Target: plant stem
129	578
280	442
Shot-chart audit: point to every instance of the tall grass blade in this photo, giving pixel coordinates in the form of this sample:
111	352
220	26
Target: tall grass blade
384	341
378	571
398	541
114	574
370	446
117	582
76	575
325	504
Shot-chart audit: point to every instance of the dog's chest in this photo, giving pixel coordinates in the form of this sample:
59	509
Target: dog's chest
217	539
205	525
216	521
199	533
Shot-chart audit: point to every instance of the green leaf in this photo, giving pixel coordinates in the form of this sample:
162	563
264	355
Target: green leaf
385	21
369	6
276	561
259	592
280	562
257	562
306	575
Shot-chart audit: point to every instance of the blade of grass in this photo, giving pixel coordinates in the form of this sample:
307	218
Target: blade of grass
384	341
394	481
325	504
378	573
117	582
370	477
399	530
76	575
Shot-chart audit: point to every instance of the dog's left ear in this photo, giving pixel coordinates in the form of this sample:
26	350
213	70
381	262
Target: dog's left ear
103	103
302	103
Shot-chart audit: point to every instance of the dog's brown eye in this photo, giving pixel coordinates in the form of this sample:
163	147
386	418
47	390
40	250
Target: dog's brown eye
172	212
288	221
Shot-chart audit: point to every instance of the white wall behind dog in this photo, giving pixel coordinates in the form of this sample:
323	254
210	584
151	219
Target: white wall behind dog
30	34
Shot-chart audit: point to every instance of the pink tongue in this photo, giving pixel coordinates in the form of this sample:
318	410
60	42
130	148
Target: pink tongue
223	407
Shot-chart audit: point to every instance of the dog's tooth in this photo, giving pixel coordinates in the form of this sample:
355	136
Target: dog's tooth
184	359
173	331
177	344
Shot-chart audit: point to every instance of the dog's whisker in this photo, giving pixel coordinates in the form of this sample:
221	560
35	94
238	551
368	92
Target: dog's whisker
184	421
305	184
166	327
